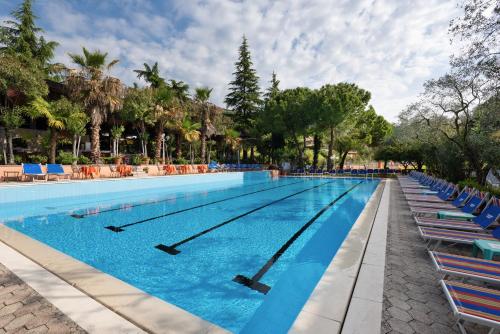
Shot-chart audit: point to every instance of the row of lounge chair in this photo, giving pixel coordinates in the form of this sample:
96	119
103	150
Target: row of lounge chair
35	172
215	166
345	171
445	213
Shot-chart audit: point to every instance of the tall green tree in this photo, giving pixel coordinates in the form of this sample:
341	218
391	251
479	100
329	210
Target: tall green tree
335	103
138	109
201	97
290	114
98	92
244	93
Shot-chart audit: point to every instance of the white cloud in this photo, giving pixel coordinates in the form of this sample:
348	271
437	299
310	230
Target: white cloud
387	47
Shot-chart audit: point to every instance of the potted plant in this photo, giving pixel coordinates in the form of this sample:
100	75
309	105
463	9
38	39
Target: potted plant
145	160
118	159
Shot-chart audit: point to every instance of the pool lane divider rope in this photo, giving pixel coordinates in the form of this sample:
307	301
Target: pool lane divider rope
172	248
83	215
121	227
253	282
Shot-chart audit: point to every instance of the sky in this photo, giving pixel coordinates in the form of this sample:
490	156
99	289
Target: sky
387	47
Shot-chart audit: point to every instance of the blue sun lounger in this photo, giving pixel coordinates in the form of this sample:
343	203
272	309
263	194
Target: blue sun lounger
486	219
57	170
33	171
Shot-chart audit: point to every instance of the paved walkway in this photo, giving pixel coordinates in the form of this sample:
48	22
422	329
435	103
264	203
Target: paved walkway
413	300
23	310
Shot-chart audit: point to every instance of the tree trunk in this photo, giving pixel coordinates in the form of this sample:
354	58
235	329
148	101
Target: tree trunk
53	146
329	160
95	136
245	154
252	154
203	149
158	139
75	140
342	160
3	144
316	148
78	146
8	134
178	141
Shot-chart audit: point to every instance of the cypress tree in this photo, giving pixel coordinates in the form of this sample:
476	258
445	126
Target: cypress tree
244	93
274	88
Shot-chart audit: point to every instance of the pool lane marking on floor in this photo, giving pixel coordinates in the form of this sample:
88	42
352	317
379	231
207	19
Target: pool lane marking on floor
253	283
120	228
79	216
172	248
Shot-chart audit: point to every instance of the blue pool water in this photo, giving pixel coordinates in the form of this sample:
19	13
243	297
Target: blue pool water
257	216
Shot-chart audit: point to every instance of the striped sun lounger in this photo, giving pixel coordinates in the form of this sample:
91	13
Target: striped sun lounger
464	266
472	303
442	205
465	225
455	236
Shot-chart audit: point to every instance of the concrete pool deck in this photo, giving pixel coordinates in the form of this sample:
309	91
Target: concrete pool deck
352	285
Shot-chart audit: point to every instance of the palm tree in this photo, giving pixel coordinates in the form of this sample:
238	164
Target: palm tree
98	92
151	74
190	133
232	139
166	109
181	90
201	99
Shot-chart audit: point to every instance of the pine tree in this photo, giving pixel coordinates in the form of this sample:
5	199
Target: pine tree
244	96
273	89
21	36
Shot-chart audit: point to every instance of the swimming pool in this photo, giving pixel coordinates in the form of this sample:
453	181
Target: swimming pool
243	251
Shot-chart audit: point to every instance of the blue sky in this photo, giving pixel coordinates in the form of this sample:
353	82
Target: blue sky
387	47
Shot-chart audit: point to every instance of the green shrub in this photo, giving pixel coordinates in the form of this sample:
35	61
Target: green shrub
474	184
65	158
37	158
181	161
83	160
108	160
18	159
136	159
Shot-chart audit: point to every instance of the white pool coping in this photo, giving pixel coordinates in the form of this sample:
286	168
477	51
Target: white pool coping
326	309
145	311
85	311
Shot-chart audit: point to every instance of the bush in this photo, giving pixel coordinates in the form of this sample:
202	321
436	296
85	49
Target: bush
18	159
181	161
474	184
108	160
83	160
136	159
65	158
37	158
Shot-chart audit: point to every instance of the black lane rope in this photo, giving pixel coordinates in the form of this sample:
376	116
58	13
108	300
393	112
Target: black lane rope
120	228
253	282
83	215
172	248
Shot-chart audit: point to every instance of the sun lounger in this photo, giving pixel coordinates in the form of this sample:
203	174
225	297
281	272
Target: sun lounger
472	303
486	219
57	170
465	266
433	234
33	171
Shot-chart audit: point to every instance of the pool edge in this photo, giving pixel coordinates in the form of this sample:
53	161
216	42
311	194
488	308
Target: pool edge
326	308
141	309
